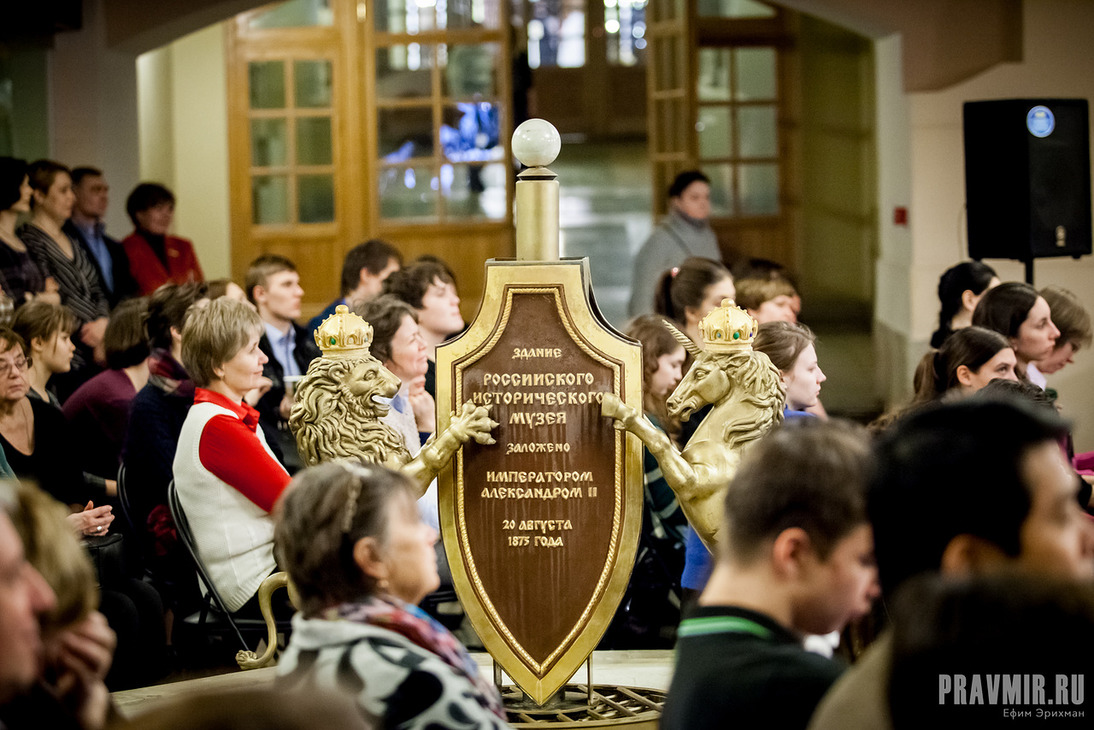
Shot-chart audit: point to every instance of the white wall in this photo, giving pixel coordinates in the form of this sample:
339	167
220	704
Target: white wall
93	110
184	138
1057	63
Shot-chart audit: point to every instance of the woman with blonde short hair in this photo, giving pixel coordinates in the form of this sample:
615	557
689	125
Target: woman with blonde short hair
226	475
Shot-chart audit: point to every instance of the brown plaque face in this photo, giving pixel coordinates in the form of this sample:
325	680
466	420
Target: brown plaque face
540	528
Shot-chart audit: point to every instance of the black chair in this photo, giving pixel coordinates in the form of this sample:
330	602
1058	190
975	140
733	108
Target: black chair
125	504
213	617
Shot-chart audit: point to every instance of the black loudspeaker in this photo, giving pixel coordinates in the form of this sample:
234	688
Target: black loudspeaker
1027	178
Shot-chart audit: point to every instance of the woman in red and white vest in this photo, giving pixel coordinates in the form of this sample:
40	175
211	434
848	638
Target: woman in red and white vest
226	475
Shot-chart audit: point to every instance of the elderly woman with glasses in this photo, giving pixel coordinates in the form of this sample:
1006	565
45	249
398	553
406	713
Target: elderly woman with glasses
35	441
226	475
352	541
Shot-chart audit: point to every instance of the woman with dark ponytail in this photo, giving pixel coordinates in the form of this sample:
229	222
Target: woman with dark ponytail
967	361
959	290
689	292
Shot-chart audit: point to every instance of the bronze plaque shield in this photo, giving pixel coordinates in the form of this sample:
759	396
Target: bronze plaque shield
541	528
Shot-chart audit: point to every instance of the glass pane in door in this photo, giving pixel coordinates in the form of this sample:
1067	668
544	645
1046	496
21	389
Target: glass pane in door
404	132
408	192
267	84
755	74
313	82
469	70
759	194
315	198
735	9
556	34
270	199
294	14
758	131
403	71
269	142
715	132
313	141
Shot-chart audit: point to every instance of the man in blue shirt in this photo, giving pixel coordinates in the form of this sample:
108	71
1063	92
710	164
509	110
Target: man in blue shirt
273	286
86	227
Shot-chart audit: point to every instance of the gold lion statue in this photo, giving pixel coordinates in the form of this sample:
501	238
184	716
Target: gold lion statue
336	415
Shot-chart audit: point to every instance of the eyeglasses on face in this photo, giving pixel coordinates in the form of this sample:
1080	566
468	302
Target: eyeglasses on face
18	364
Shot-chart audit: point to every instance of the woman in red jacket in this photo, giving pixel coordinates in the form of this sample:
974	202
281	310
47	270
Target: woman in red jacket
156	258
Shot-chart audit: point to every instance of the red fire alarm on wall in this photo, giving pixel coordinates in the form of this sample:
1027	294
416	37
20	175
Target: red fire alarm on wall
900	216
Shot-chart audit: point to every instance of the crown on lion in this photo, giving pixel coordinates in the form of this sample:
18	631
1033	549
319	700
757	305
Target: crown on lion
728	328
344	334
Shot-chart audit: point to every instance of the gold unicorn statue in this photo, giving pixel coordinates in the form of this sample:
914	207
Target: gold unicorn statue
747	393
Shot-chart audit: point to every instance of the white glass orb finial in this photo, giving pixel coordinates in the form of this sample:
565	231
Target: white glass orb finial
536	143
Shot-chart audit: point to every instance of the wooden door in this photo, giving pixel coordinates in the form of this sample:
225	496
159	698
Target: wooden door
349	121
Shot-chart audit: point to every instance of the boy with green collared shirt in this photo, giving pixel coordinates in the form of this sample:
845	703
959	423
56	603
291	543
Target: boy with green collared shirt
796	558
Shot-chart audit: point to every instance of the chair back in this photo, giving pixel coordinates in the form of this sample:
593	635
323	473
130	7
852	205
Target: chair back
124	503
186	537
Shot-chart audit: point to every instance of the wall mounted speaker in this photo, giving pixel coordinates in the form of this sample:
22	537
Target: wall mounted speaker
1027	178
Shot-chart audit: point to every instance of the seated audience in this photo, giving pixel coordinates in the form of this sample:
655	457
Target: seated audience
47	330
1020	314
796	558
965	488
226	475
959	291
791	349
429	287
684	233
769	299
155	257
1073	321
949	650
273	286
20	276
354	546
77	659
87	228
364	270
688	293
63	259
650	610
98	412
